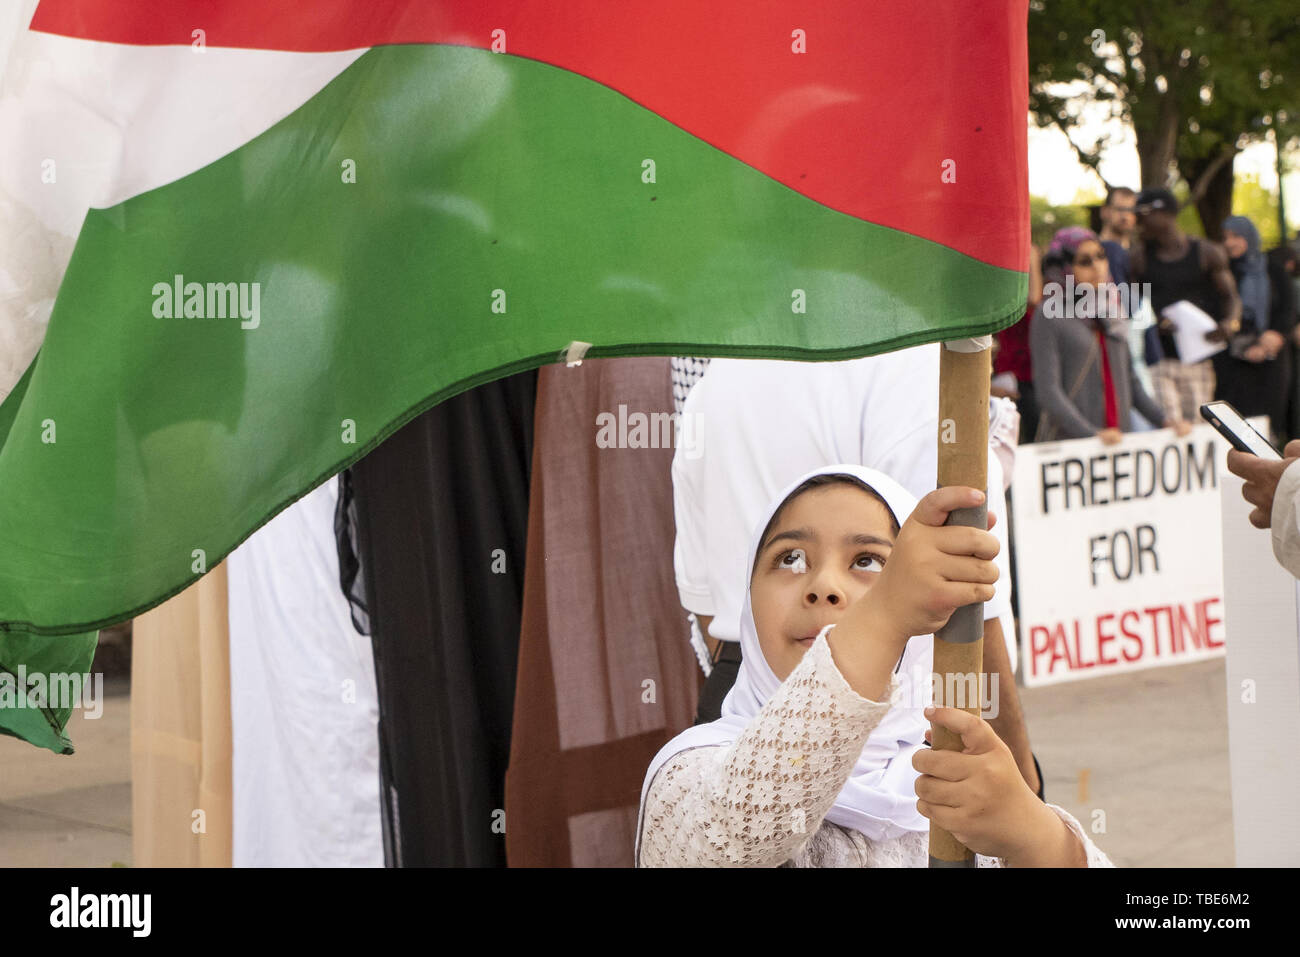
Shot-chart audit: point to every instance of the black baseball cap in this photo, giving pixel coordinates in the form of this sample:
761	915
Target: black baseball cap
1156	198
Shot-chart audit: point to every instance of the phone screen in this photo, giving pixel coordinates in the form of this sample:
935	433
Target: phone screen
1231	421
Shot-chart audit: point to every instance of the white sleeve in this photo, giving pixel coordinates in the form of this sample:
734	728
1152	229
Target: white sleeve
690	552
913	462
1096	857
1009	635
1000	606
1285	522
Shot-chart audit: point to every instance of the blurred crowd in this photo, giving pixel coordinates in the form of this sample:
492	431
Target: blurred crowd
1099	351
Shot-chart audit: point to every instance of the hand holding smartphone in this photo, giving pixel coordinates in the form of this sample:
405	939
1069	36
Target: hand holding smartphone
1240	434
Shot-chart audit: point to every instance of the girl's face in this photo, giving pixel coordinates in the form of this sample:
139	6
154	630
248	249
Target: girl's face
1090	264
823	552
1236	244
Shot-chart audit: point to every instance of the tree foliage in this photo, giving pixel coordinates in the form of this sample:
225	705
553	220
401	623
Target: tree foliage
1259	205
1045	219
1197	80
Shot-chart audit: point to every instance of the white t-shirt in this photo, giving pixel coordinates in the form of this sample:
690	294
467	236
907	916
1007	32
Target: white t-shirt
753	426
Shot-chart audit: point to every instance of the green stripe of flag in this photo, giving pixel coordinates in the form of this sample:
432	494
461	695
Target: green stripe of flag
144	448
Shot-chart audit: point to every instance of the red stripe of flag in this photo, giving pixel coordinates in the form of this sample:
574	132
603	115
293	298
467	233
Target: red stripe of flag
862	122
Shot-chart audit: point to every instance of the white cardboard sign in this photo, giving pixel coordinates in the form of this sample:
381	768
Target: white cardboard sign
1118	553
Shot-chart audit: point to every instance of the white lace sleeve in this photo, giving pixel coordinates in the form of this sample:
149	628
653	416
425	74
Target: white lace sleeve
1096	858
758	802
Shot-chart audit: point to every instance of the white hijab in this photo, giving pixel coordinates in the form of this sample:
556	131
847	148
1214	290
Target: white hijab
878	799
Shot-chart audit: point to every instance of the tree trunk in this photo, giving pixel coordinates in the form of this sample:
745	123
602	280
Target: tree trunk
1214	204
1156	143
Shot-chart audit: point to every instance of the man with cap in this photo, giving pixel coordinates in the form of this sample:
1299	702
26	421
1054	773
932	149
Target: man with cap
1179	267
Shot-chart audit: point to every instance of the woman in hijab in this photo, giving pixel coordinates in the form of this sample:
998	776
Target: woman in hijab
1254	370
1083	369
820	755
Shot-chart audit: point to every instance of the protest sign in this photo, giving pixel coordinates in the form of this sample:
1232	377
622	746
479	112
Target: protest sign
1118	553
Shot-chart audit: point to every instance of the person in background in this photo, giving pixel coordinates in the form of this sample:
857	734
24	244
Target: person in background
1118	220
1013	369
1254	371
1284	303
1081	354
1181	268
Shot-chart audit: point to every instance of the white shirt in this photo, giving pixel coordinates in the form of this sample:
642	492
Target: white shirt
1284	521
761	423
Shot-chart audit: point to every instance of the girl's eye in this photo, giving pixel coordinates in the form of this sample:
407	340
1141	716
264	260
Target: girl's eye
870	560
795	560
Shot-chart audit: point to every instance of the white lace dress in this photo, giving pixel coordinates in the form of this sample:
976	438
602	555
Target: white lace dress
762	802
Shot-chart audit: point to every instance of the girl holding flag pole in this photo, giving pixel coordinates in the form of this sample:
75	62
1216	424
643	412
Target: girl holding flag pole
820	758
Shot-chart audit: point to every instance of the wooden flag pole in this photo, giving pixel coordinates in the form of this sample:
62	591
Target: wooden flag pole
965	369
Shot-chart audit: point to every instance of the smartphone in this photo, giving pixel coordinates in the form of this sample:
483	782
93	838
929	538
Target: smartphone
1240	433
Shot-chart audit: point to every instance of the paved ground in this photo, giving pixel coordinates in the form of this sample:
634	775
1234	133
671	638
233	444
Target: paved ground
70	810
1149	750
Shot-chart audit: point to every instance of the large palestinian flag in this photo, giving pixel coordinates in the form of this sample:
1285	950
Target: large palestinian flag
279	232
